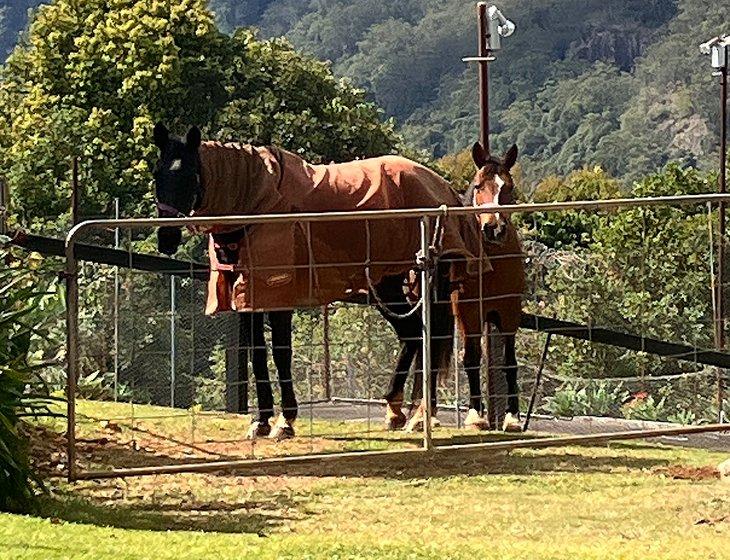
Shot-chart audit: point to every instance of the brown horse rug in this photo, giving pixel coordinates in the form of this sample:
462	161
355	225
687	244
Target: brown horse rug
292	265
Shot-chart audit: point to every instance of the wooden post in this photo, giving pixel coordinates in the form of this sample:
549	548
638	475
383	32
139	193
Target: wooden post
483	54
4	206
75	191
482	60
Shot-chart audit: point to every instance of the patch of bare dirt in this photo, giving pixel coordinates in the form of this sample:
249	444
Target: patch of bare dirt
695	474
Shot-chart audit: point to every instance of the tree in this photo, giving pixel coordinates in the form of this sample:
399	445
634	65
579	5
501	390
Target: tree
92	77
571	229
642	270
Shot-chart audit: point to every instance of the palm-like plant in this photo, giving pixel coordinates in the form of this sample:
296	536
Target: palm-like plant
18	396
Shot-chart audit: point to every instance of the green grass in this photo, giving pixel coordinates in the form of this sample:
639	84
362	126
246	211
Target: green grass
573	503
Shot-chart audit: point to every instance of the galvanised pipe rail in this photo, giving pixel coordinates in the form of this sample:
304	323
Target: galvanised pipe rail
394	214
423	214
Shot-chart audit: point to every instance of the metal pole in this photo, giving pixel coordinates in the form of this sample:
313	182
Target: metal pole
720	298
116	307
173	348
483	53
72	331
399	214
72	318
538	381
327	355
426	332
318	462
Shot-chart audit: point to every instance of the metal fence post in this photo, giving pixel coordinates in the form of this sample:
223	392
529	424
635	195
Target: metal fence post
720	328
116	307
327	353
173	346
426	331
72	332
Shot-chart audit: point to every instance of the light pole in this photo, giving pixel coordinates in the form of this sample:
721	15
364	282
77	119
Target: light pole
719	48
491	27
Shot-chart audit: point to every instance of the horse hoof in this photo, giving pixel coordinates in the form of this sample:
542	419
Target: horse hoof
282	430
475	421
258	429
280	433
415	424
394	423
512	424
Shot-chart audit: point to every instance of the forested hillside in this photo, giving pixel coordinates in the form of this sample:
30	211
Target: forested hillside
582	82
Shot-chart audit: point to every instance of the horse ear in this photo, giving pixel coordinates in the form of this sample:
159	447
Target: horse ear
479	155
510	157
161	135
192	138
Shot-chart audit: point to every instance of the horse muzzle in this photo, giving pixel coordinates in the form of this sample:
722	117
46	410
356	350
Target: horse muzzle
494	233
168	240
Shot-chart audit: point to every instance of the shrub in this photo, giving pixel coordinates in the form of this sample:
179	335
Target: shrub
596	398
648	408
17	397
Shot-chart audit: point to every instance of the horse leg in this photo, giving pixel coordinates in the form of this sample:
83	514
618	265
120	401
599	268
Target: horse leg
511	421
281	339
472	365
394	417
390	291
259	358
442	328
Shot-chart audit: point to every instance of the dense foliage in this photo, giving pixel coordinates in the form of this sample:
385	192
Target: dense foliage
92	77
619	84
21	394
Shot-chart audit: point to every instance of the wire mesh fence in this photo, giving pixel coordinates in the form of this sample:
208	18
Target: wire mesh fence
629	315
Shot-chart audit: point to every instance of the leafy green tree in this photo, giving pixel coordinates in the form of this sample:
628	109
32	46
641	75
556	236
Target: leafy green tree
643	271
560	230
88	82
279	96
92	78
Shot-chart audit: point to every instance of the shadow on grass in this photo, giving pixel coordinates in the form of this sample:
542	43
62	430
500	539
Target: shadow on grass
252	517
405	466
457	463
264	515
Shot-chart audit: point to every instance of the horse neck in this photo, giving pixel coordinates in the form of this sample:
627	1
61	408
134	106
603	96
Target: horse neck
237	179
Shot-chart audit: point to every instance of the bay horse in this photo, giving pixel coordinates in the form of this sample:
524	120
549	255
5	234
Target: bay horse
188	177
501	295
501	289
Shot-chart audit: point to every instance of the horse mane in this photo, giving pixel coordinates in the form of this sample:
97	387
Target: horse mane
467	198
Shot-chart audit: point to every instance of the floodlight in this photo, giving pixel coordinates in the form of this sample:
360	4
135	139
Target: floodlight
717	48
499	26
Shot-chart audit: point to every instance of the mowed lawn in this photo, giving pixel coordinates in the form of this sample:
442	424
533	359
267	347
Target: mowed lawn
619	501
